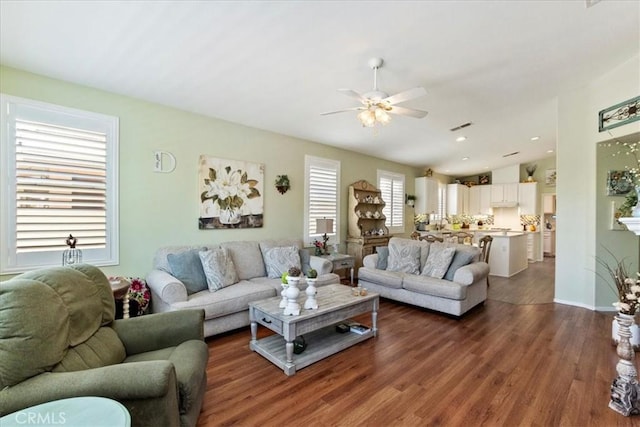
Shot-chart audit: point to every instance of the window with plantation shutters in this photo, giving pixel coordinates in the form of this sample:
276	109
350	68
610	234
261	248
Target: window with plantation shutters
391	186
322	196
61	180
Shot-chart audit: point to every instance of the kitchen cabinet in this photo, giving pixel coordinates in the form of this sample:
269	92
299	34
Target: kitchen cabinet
504	195
527	198
549	243
426	189
549	203
480	200
533	247
457	199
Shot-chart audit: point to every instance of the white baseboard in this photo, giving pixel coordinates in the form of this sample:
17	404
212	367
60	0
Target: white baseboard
575	304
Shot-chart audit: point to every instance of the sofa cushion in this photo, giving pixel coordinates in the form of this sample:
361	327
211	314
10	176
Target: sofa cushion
218	268
433	286
278	260
187	267
229	300
102	349
404	258
464	255
390	279
247	258
383	256
438	261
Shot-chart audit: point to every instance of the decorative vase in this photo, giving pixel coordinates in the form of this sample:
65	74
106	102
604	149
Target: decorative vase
311	303
283	301
230	215
318	251
292	292
635	334
635	212
625	388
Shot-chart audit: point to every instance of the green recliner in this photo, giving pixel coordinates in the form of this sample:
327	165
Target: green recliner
59	339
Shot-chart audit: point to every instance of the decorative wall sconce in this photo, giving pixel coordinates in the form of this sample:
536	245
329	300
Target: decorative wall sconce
282	183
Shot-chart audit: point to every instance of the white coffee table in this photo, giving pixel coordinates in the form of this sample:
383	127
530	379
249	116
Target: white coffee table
335	305
73	412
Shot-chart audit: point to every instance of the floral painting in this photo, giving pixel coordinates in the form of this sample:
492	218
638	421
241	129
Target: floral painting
230	193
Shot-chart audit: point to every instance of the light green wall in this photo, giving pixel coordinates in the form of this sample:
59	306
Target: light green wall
159	209
623	244
577	185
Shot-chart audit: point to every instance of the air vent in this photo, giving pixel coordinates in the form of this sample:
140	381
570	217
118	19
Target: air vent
511	154
462	126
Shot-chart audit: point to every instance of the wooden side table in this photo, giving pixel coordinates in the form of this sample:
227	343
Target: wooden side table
341	262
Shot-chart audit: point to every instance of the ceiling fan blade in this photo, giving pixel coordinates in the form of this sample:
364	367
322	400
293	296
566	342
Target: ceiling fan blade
343	111
354	94
416	92
403	111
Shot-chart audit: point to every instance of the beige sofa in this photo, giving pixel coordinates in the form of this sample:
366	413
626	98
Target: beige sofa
228	308
405	275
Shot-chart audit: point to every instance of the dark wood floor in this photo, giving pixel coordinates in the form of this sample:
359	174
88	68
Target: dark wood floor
502	364
535	285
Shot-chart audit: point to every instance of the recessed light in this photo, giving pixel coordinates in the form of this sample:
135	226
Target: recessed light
465	158
461	138
535	138
549	151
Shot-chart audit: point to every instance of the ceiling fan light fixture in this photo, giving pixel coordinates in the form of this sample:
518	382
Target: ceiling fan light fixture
382	116
367	118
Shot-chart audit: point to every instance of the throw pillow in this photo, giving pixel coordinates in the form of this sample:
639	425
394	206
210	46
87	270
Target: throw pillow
186	267
305	260
383	256
218	268
438	260
460	259
279	260
404	258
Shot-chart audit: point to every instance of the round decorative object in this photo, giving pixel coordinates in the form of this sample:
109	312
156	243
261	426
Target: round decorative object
311	303
292	292
299	345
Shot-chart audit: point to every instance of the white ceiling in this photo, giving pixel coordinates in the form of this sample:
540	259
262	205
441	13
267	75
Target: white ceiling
277	65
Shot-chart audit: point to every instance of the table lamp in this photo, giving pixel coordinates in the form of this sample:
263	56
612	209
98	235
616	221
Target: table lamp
324	226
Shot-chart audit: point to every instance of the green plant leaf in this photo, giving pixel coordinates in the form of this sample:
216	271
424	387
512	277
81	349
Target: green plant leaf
243	178
212	174
253	194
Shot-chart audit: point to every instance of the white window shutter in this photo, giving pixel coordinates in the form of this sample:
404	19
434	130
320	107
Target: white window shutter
322	195
391	186
61	178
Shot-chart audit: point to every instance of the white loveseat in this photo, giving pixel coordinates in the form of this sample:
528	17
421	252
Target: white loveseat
227	308
403	272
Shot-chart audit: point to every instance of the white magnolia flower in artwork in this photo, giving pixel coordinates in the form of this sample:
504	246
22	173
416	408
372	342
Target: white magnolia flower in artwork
229	188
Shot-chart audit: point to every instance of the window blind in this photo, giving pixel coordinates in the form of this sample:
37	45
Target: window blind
322	195
60	186
391	188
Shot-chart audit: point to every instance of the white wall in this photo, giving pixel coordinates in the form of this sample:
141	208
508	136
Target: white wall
576	185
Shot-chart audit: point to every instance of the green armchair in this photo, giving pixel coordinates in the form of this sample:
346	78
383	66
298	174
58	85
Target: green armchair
59	339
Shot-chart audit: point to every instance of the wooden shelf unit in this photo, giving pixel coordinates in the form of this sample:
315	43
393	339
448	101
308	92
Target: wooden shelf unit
366	225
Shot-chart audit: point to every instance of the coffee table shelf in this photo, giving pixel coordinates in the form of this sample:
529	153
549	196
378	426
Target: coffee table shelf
336	304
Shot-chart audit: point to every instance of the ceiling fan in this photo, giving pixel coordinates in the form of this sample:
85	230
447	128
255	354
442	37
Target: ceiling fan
377	104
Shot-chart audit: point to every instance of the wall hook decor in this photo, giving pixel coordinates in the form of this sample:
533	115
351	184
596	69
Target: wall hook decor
282	183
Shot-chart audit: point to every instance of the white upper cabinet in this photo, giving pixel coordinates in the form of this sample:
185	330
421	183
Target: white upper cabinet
480	200
457	199
527	198
504	195
426	195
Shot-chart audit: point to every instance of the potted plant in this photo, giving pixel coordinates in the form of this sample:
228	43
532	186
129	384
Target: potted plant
311	303
292	292
282	183
411	200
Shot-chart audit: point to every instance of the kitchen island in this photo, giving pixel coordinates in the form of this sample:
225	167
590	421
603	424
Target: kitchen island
508	255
